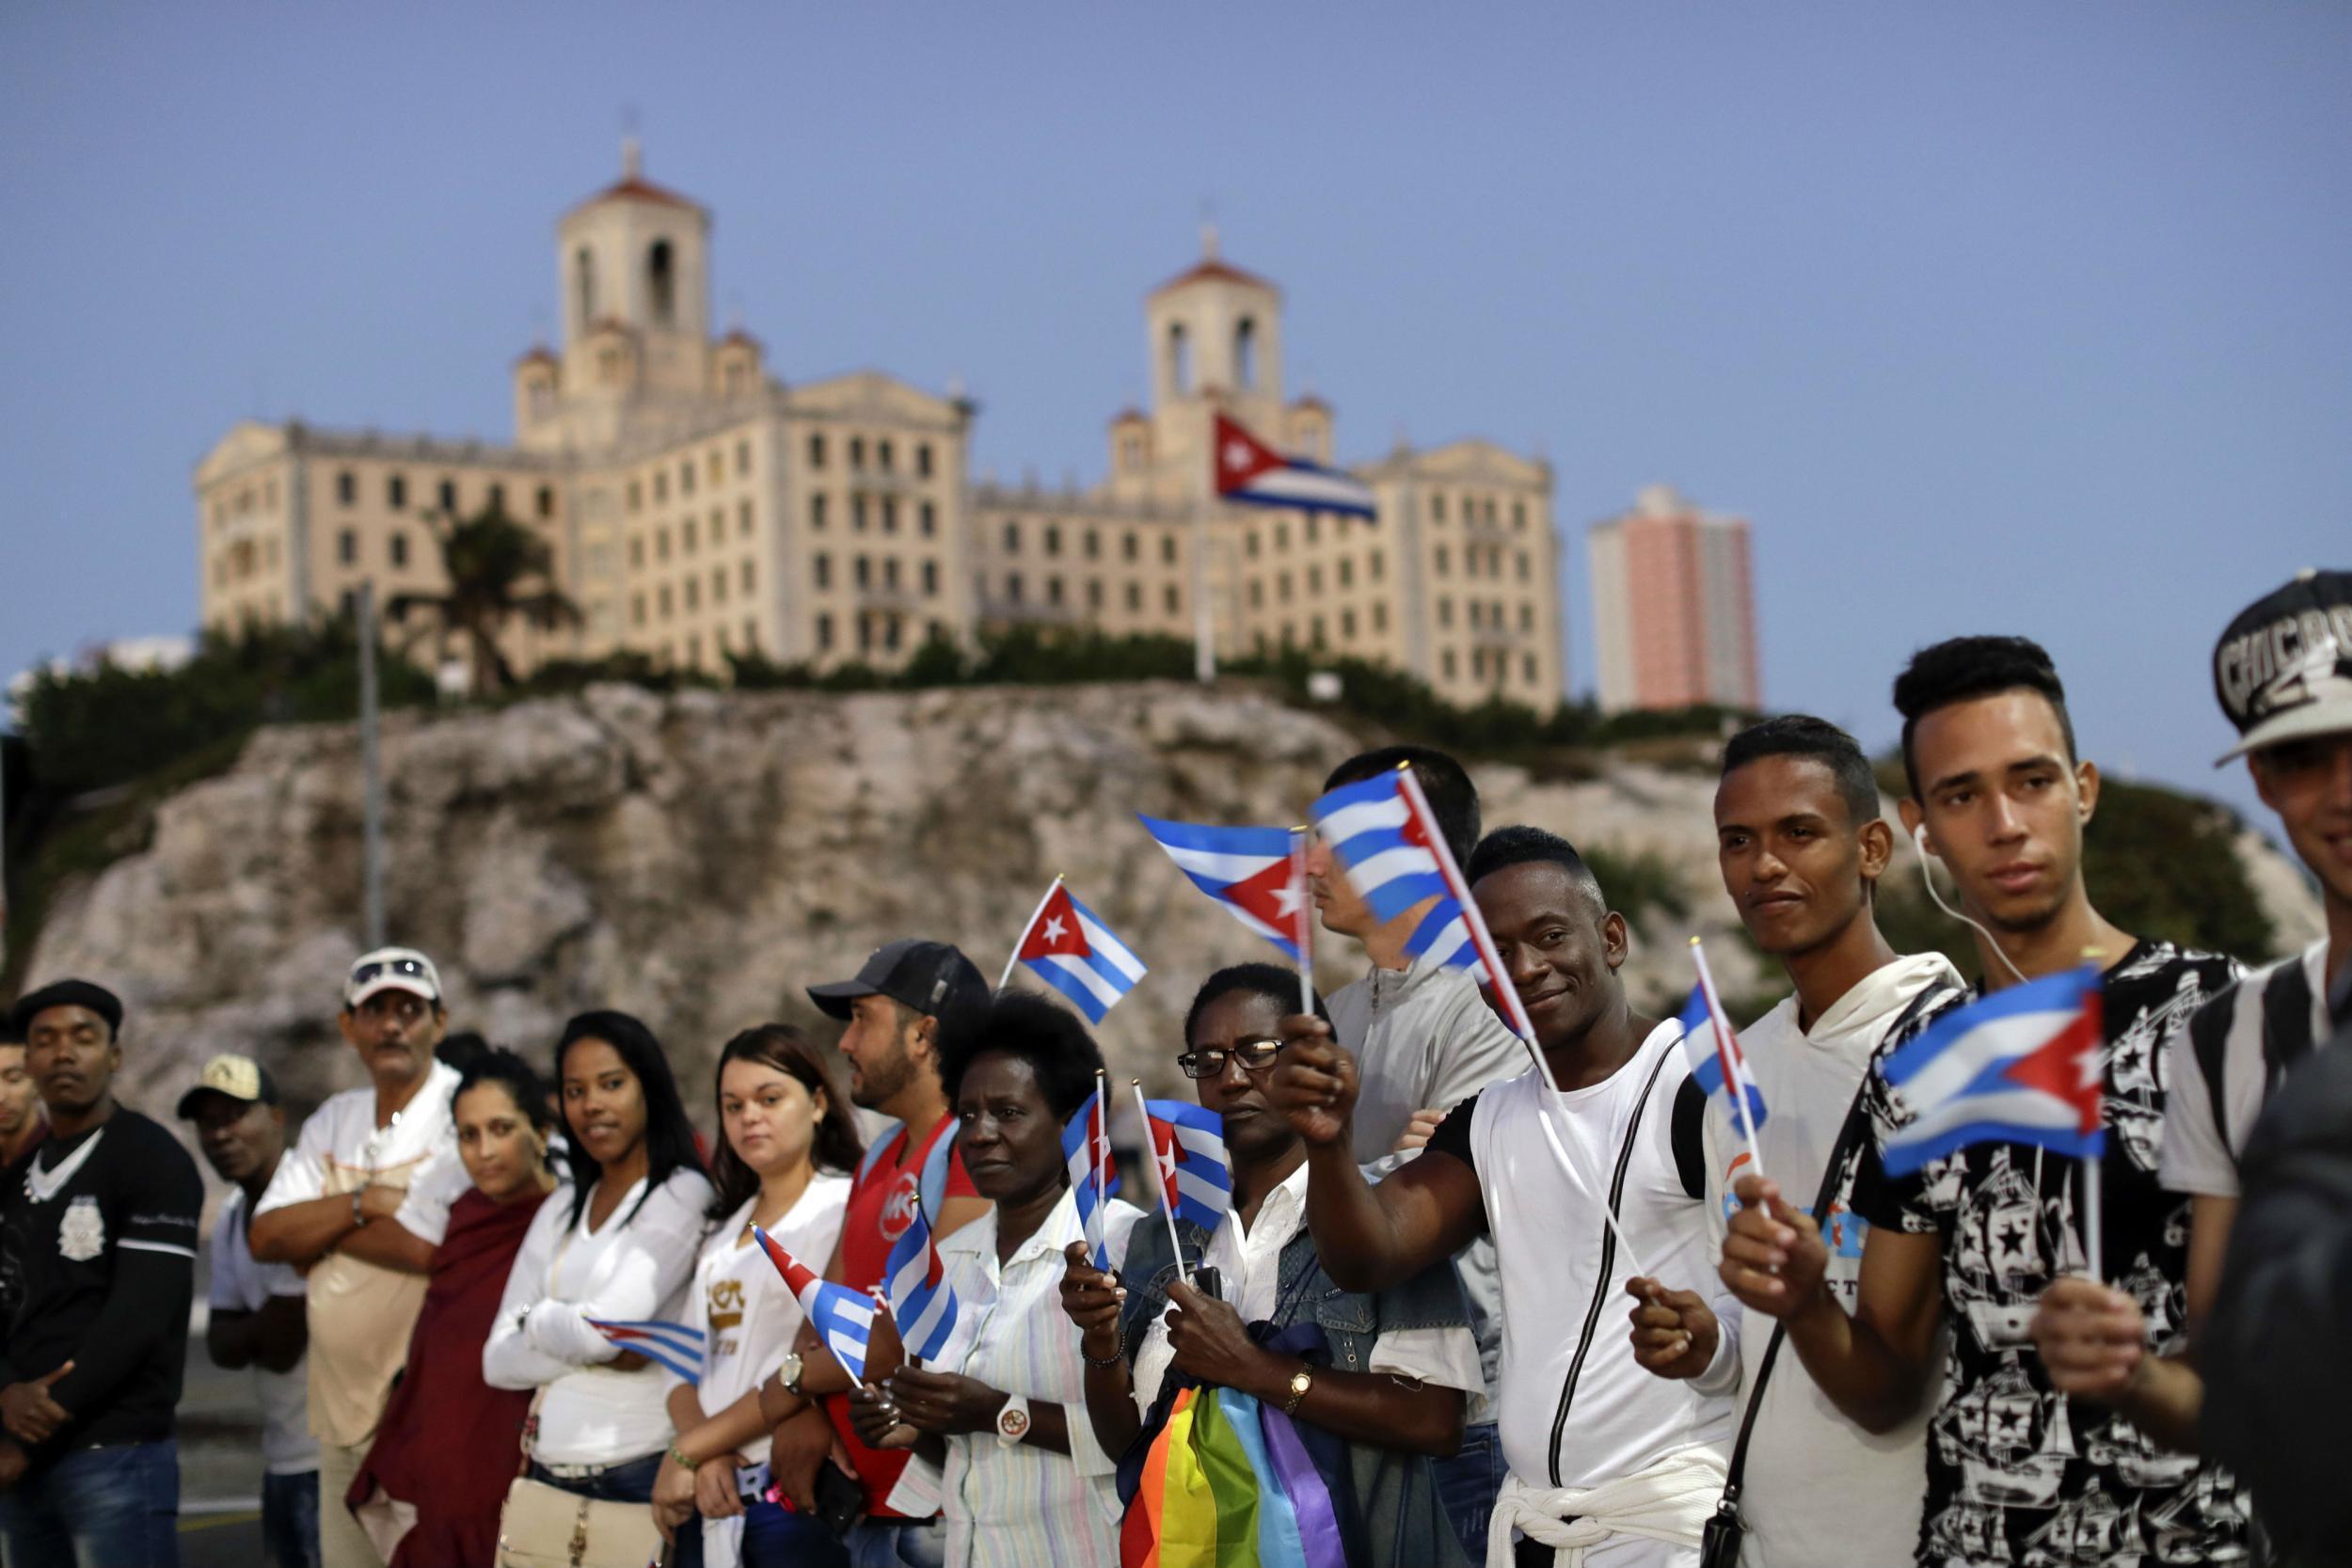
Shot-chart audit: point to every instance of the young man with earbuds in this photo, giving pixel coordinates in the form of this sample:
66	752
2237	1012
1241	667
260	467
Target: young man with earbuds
1960	1252
2284	672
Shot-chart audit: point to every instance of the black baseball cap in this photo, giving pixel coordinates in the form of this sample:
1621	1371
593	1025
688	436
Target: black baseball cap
2283	670
932	978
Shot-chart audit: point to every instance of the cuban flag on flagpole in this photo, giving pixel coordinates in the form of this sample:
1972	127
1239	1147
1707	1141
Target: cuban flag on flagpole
1085	1144
673	1346
1070	950
843	1318
1716	1060
1188	1147
1383	835
1247	870
916	1287
1250	473
2019	1065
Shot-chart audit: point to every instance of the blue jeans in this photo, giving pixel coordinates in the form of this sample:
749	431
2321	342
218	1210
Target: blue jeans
290	1520
898	1544
630	1482
114	1507
773	1537
1467	1485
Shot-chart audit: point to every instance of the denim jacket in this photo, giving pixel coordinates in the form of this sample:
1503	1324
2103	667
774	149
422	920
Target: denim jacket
1393	1519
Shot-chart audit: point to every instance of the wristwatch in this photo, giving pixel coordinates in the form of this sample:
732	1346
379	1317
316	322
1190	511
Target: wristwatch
1012	1422
789	1372
1301	1381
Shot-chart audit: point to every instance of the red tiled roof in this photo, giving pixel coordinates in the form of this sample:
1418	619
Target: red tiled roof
633	188
1211	270
737	335
538	350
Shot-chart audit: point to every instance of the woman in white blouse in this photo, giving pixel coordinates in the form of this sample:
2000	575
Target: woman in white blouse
1002	1412
614	1244
788	1143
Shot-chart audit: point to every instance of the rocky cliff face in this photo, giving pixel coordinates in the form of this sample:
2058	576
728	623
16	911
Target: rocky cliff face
697	859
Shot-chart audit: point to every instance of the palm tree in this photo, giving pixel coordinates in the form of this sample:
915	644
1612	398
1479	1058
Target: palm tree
498	569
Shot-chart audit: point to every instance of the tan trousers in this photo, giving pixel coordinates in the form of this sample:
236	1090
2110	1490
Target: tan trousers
342	1543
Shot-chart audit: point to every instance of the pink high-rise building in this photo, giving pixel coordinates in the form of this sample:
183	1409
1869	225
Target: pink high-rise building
1674	606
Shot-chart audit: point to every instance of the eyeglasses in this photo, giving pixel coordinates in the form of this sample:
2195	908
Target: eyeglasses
1255	1056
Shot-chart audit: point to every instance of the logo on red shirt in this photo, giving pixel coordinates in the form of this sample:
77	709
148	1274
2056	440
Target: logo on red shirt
901	1205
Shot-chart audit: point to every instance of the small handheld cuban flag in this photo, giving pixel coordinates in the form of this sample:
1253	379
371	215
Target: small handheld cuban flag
1384	835
1188	1149
843	1318
1085	1144
673	1347
1067	948
1247	870
1250	473
1717	1061
2019	1065
916	1287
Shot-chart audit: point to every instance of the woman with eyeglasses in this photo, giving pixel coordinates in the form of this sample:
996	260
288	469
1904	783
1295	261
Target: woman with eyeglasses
788	1143
1024	1482
429	1491
1381	1384
616	1243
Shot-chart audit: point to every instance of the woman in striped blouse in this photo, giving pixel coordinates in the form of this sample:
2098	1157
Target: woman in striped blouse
1001	1413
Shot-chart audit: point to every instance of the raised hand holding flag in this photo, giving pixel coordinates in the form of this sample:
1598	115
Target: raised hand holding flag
844	1320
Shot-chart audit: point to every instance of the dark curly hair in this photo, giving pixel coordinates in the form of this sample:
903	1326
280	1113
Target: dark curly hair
1050	1037
1801	734
1525	845
495	1064
1253	979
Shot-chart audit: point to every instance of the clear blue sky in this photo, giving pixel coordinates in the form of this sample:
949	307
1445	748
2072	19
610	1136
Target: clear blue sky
2022	317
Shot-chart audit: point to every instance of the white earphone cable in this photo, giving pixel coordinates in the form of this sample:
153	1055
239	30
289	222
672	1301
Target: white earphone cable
1919	842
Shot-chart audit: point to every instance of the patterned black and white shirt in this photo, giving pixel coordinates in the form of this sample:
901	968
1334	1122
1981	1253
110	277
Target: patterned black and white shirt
2016	1472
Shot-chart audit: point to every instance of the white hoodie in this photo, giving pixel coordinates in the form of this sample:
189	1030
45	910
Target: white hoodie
1817	1487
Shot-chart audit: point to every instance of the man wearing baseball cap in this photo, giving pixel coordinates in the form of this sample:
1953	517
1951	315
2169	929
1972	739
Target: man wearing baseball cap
909	1001
100	1244
256	1310
361	1202
2283	673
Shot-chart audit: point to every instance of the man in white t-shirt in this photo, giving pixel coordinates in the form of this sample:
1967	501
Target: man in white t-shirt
1423	1040
1801	845
256	1315
1605	1460
361	1202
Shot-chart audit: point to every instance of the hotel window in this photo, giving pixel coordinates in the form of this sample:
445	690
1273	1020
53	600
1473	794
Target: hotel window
449	498
1528	664
824	633
1348	624
1167	549
1315	634
1441	560
1053	540
636	495
890	514
1134	595
686	535
1053	590
751	638
346	488
1522	565
743	577
662	600
716	464
686	476
1518	521
923	458
820	570
1094	544
857	512
930	578
718	585
891	626
1377	566
1012	588
1437	508
662	543
1379	616
1249	544
884	454
1171	599
400	550
1445	615
864	571
1256	595
816	510
498	498
1527	617
816	452
347	547
927	515
857	451
890	571
1012	538
546	501
1282	536
660	486
1282	588
636	609
1314	580
742	458
693	592
1347	573
1446	663
1095	594
1311	528
743	519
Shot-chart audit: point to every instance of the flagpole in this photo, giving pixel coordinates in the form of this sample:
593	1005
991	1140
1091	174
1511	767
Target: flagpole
1022	941
1734	1066
1515	1011
1102	1154
1167	1202
1203	613
2094	1240
1306	923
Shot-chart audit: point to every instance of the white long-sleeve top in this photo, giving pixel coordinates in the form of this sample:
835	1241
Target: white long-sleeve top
637	1267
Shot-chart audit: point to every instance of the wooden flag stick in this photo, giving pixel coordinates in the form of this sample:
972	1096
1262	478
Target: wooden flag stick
1167	1202
1022	940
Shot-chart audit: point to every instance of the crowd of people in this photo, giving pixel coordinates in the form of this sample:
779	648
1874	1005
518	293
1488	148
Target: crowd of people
495	1317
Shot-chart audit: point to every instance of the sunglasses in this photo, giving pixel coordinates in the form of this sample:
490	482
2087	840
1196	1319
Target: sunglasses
1255	1056
362	973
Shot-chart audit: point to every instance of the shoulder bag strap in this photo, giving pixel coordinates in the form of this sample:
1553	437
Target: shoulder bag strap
1850	1135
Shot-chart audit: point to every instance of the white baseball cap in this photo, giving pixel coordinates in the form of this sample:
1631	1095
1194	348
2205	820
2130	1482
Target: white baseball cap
391	969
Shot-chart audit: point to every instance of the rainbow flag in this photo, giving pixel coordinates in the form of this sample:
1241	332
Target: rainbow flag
1227	1483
